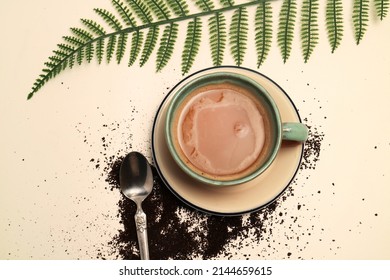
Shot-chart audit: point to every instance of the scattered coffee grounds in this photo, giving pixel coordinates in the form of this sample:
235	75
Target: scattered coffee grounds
176	231
311	153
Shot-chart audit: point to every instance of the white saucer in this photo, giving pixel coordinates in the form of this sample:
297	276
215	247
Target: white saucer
238	199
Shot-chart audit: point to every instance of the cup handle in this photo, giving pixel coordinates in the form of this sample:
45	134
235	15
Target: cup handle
295	132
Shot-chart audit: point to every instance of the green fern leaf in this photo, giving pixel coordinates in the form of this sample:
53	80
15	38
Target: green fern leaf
205	5
82	34
165	50
159	9
136	43
124	12
287	18
80	55
141	10
263	27
227	3
109	18
334	23
77	42
309	27
217	31
150	44
66	48
100	50
239	34
382	8
121	47
179	7
71	60
94	27
142	20
89	52
191	44
61	54
360	18
110	47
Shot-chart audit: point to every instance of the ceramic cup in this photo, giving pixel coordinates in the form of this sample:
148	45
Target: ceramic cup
274	129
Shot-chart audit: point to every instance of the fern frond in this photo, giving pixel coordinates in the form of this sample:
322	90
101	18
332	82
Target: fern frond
334	23
94	27
263	27
309	27
191	44
136	43
179	7
205	5
360	18
382	8
142	20
239	34
109	18
287	18
217	31
159	9
167	43
150	43
124	12
141	10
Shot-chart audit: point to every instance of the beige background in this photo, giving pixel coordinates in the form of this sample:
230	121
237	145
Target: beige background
46	179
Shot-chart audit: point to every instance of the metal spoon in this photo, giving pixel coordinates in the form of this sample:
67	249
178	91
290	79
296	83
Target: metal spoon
136	181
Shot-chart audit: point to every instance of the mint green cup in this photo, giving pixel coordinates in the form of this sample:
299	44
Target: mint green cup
277	131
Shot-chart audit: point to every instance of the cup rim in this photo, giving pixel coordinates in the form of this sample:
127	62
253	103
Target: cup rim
178	95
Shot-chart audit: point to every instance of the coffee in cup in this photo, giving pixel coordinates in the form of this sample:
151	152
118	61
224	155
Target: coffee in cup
224	128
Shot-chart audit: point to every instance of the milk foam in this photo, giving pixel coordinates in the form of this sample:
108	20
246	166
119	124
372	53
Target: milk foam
221	131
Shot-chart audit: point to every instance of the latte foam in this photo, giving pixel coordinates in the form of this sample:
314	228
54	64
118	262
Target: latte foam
221	131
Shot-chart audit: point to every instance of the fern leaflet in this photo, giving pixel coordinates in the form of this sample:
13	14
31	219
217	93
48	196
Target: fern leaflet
191	44
94	27
150	44
309	27
110	19
166	46
227	3
217	30
136	43
360	18
239	34
141	10
382	8
263	27
110	48
334	23
205	5
121	48
287	17
179	7
159	9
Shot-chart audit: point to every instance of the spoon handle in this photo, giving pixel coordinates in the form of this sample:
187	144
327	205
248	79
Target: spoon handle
142	234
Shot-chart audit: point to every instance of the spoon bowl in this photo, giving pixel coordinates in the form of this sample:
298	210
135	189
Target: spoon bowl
136	182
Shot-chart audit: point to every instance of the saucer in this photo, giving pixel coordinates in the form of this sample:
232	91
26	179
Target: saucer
237	199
